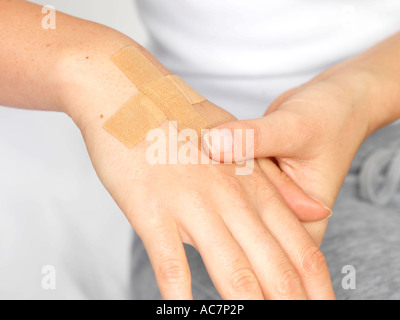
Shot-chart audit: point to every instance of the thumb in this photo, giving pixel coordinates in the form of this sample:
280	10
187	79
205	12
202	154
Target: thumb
279	134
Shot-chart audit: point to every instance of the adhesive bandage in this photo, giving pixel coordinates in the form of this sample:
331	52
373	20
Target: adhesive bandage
160	98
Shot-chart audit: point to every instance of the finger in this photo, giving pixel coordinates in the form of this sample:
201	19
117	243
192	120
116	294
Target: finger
304	253
226	263
279	134
274	270
317	229
302	205
168	258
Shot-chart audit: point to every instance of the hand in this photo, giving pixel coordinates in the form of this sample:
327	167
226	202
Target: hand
231	220
312	133
239	224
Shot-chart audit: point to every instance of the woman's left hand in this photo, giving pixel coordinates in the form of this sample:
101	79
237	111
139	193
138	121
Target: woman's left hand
310	135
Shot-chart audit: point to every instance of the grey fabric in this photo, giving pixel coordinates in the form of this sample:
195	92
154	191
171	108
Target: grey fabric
387	159
362	233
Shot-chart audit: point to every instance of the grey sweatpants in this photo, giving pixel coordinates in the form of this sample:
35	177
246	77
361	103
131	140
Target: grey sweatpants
363	233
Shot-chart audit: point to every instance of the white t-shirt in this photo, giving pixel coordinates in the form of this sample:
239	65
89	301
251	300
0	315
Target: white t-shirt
243	54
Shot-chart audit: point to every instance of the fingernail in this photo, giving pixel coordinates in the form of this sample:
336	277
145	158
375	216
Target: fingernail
323	205
219	143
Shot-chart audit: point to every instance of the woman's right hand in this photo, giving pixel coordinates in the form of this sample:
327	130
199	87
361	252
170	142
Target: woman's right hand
252	244
239	224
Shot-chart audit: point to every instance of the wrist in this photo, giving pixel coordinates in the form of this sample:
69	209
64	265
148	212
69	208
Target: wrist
363	91
373	83
84	65
91	87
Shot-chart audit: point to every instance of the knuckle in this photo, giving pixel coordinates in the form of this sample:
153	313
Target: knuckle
201	203
313	262
236	195
267	196
158	204
244	283
233	184
198	199
172	271
289	284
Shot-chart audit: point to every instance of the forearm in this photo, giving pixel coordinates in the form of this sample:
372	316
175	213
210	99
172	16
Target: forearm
67	69
373	80
33	61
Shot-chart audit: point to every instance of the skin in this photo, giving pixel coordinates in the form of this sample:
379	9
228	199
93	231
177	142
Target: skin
314	131
239	224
